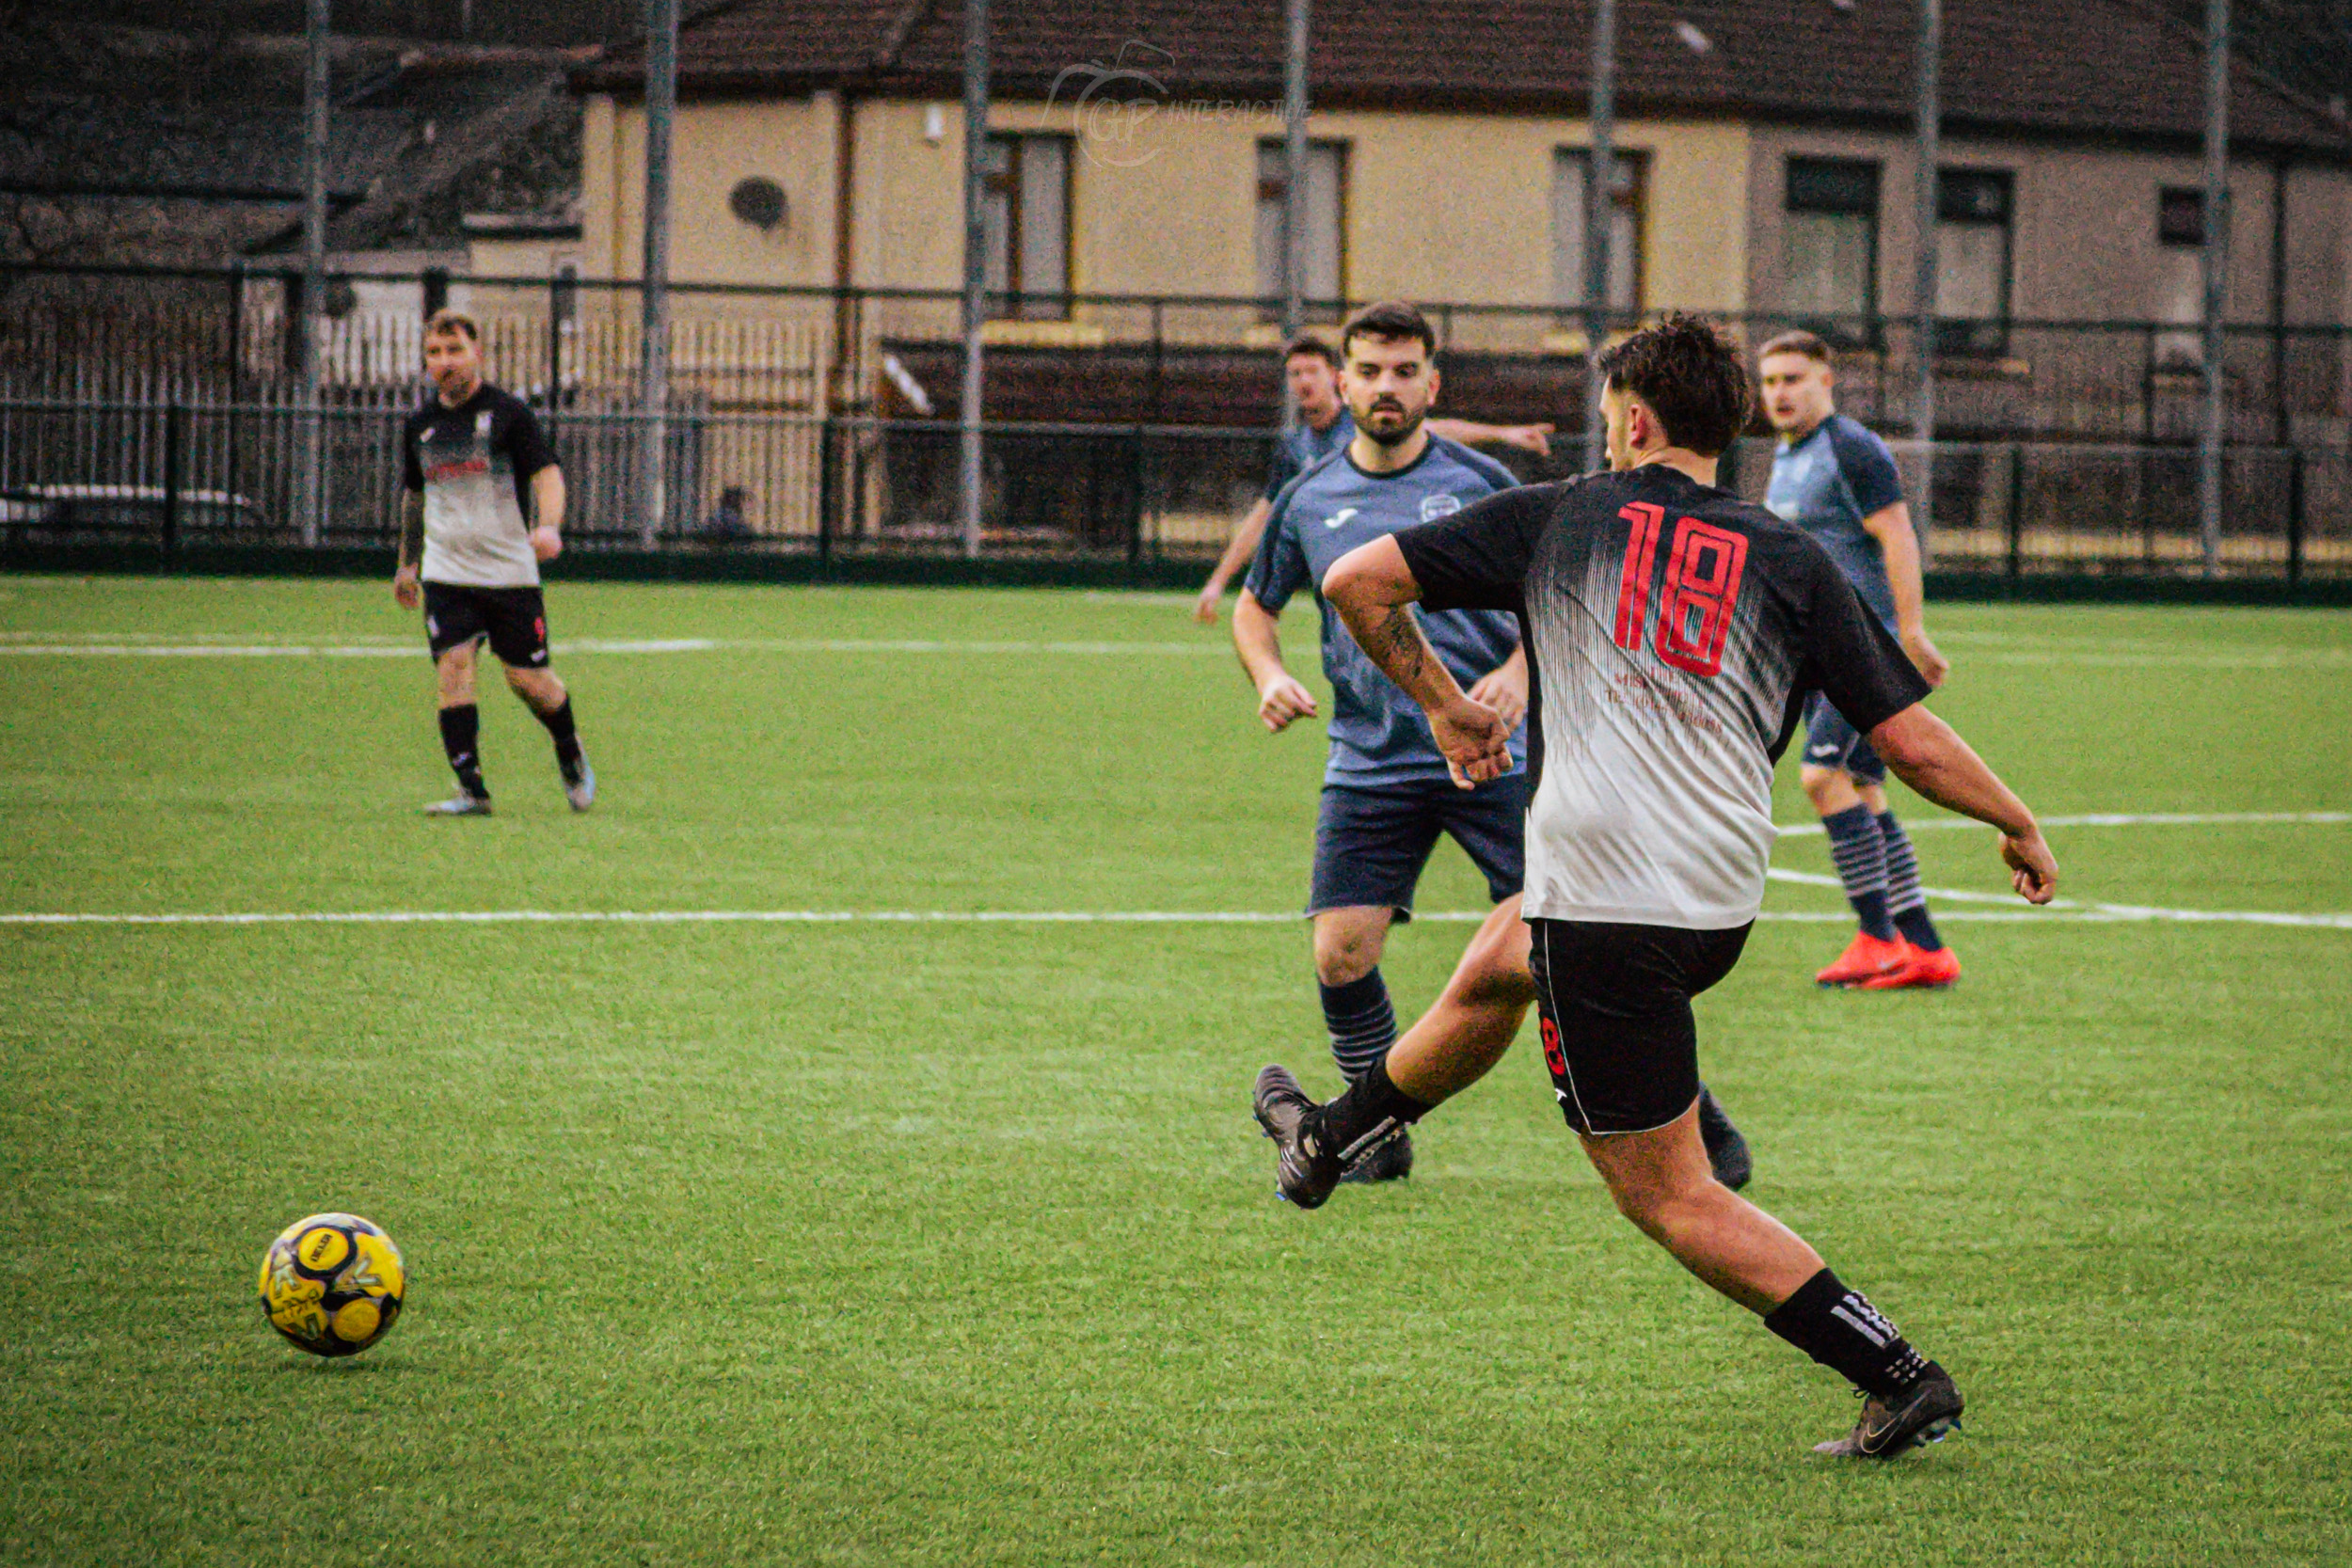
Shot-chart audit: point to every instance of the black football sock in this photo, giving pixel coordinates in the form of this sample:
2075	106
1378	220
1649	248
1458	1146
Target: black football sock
1371	1111
1860	857
1363	1023
1905	903
1841	1330
461	738
559	724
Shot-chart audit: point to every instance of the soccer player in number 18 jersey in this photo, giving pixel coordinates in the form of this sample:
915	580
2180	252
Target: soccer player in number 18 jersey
1672	631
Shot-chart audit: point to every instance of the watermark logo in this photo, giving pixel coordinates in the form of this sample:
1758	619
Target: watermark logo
1117	105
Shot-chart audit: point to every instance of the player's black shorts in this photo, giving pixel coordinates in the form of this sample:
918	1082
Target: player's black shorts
514	619
1831	742
1616	1004
1370	844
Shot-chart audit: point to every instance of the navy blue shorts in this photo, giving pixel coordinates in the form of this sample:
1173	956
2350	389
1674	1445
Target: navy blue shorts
1372	843
1831	742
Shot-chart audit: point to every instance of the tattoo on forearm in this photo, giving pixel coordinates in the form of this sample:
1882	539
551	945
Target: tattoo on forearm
411	526
1395	642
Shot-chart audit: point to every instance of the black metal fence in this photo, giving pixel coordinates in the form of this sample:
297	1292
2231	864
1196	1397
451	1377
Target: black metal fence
230	336
184	476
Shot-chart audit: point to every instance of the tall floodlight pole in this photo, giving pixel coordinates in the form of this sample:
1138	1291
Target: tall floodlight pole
1600	182
654	287
1927	215
2217	279
1293	184
974	261
310	478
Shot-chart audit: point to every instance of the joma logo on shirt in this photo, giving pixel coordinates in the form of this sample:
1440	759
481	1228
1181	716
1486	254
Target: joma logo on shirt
1340	518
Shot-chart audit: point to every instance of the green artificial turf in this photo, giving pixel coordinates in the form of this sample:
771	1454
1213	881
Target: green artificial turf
953	1243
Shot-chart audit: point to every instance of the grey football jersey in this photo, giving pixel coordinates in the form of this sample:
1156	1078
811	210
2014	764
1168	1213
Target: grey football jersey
1672	631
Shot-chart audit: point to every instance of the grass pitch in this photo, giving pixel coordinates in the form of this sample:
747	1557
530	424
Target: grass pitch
953	1243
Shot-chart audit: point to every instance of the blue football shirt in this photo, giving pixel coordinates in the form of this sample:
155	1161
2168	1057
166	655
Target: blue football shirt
1826	482
1378	734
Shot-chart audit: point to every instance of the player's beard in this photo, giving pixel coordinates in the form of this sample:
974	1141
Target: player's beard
1400	433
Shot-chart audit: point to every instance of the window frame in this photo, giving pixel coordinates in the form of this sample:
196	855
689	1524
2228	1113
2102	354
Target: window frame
1635	162
1271	189
1016	303
1976	337
1840	330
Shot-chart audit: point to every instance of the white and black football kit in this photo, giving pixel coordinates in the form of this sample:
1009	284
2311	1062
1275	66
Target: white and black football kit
474	463
1672	631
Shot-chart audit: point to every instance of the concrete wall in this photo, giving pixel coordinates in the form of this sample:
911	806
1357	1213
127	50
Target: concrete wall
2083	236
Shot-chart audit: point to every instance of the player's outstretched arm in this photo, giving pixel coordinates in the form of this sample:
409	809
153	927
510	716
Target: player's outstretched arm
1238	551
1470	433
411	530
1373	591
1281	697
1929	756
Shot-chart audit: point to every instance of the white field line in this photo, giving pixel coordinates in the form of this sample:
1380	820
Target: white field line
2070	909
2117	820
2069	915
130	649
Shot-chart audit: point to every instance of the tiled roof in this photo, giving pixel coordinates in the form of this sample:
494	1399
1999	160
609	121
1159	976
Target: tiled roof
2114	69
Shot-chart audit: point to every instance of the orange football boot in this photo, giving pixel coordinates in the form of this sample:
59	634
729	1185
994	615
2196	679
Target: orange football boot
1918	969
1864	959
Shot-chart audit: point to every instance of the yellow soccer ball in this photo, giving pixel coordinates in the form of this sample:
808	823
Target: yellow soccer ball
332	1284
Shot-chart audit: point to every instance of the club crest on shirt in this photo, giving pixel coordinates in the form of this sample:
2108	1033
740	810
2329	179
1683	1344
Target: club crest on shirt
481	425
1440	503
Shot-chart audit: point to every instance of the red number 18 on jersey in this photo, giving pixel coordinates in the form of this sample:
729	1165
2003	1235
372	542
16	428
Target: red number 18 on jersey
1702	567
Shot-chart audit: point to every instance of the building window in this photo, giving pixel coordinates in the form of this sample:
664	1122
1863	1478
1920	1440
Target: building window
1326	249
2180	215
1027	218
1829	245
1972	233
1571	170
2180	277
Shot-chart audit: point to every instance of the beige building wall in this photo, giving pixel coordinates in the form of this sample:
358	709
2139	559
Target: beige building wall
1440	207
790	141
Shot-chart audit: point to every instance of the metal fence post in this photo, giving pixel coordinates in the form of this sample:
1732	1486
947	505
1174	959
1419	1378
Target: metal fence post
1600	210
662	17
175	419
1134	496
2016	510
2213	431
2295	515
828	486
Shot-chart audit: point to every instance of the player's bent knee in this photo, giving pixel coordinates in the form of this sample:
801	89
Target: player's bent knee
1347	950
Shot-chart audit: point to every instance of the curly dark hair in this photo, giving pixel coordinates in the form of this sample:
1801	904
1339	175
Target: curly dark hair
1689	373
1391	321
1307	344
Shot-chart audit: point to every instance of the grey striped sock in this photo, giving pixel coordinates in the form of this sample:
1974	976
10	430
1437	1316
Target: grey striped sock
1860	855
1363	1023
1904	901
